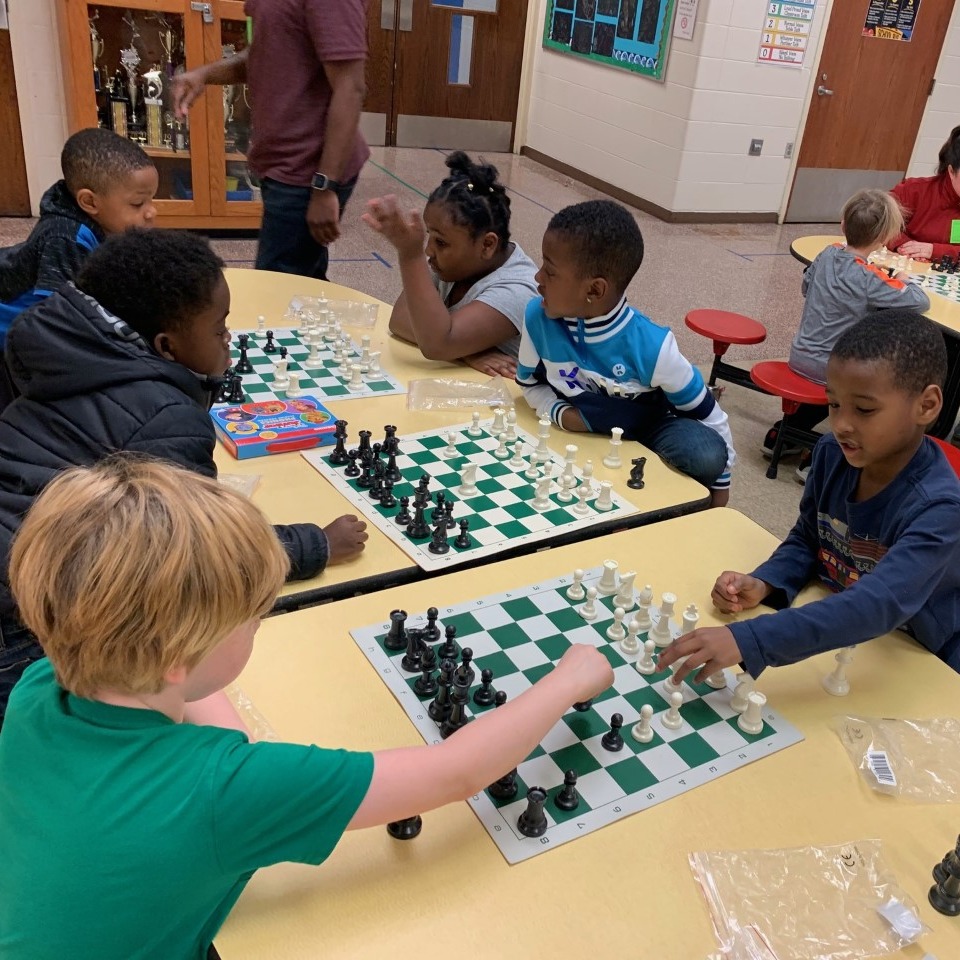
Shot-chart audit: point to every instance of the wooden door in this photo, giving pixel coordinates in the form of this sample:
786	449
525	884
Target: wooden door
378	121
866	109
14	193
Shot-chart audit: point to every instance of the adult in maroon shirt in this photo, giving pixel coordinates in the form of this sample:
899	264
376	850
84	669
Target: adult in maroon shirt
304	72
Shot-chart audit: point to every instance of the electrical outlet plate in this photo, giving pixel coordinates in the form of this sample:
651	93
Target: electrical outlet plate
756	147
788	151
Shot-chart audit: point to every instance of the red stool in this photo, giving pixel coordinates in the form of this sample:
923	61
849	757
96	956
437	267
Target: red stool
775	377
724	328
950	452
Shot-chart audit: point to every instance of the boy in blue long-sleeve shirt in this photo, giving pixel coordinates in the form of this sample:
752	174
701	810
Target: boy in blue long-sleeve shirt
879	519
590	362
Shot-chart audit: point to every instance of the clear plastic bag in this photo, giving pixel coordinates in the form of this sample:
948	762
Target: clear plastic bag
910	759
806	903
449	393
355	313
240	483
254	720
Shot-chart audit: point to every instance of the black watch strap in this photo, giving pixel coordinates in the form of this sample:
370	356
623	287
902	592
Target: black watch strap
322	182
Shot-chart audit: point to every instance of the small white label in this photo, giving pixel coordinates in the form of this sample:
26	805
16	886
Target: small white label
902	919
879	764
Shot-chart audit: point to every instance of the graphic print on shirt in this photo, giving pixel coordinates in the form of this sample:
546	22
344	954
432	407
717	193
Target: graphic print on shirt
844	557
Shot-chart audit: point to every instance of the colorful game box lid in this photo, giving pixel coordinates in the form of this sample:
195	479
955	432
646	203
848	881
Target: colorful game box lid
273	426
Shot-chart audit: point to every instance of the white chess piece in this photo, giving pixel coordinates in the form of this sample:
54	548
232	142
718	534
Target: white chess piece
568	478
604	501
672	719
612	459
575	591
646	664
313	361
589	610
365	346
280	378
836	682
745	686
644	599
261	323
542	453
474	429
468	482
717	680
375	363
615	631
516	461
582	508
631	643
499	423
355	384
293	384
609	584
501	453
542	499
451	448
671	684
532	472
587	479
751	720
690	619
660	631
641	731
511	425
624	596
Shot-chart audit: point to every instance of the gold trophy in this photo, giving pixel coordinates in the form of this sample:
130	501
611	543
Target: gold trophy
153	104
96	48
130	60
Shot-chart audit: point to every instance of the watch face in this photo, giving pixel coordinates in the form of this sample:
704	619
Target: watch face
320	182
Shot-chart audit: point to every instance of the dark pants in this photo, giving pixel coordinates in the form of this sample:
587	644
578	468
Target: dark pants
286	244
18	649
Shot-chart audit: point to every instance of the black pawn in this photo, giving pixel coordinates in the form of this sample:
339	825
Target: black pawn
375	450
439	708
243	364
612	740
269	346
448	515
533	821
636	474
431	632
365	480
283	353
396	638
500	699
463	541
393	471
352	469
465	673
583	706
484	695
426	685
568	798
387	500
418	528
412	658
405	829
449	649
437	515
376	486
403	518
338	456
438	540
236	390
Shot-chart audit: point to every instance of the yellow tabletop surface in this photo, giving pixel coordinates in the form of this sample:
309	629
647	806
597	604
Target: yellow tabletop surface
292	491
626	890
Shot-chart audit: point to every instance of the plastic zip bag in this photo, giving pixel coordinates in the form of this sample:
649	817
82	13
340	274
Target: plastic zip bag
449	393
242	483
355	313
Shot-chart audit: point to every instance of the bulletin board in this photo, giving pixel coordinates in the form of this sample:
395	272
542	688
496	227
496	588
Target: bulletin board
630	34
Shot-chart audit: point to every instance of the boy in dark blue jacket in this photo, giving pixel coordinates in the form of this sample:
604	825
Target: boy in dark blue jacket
879	520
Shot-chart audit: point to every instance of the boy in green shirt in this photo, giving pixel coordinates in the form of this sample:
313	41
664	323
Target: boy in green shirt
133	808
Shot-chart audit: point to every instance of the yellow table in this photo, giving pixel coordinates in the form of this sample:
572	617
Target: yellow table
623	891
291	491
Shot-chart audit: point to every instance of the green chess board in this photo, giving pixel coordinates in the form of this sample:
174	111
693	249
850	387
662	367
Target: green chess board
945	284
328	382
520	635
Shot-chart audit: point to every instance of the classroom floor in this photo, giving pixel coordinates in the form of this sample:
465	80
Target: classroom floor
746	268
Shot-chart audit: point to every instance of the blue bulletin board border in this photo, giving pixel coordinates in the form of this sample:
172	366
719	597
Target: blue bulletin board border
632	35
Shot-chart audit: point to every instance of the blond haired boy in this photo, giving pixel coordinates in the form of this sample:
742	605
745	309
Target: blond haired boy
121	803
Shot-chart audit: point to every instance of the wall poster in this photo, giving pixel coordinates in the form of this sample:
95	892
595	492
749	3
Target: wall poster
891	19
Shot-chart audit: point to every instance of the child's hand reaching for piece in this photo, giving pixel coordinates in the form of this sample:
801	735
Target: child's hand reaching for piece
734	592
707	650
346	537
406	233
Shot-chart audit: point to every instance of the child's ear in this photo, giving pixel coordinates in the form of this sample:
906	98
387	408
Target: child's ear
163	346
87	201
929	404
489	245
598	289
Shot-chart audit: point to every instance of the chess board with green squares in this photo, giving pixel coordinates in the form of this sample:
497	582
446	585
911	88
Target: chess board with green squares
328	382
500	514
945	284
520	635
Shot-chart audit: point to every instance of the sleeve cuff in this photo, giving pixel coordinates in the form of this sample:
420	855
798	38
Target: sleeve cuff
750	653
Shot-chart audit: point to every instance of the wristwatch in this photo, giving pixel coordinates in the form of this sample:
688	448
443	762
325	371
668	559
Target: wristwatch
323	182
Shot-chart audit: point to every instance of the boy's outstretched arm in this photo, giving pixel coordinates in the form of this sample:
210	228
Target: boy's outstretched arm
416	779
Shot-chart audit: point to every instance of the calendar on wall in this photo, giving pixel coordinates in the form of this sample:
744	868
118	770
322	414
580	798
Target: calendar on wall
631	34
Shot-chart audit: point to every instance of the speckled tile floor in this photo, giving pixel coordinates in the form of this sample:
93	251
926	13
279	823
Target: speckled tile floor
742	267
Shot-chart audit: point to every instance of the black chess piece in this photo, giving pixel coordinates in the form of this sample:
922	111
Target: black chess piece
636	474
940	870
396	638
500	699
568	798
465	674
426	685
269	346
463	541
458	716
438	539
389	437
406	829
364	447
403	518
505	788
533	821
393	471
583	706
352	469
236	394
418	528
365	480
223	394
944	896
415	647
243	364
484	695
387	500
448	515
423	488
431	632
338	456
449	649
376	485
612	740
440	706
436	514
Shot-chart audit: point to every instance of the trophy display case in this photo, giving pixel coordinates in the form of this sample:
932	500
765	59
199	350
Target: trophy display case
119	61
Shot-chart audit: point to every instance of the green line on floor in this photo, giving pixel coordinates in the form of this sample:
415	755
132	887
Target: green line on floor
390	173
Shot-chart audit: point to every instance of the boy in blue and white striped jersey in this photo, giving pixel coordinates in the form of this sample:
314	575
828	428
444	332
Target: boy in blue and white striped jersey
590	362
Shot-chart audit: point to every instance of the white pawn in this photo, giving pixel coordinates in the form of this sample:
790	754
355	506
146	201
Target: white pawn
374	369
468	482
612	459
511	425
542	452
690	619
646	664
745	686
660	631
587	480
624	595
608	584
672	719
517	462
355	383
836	683
499	424
631	642
568	478
542	499
751	720
501	453
293	385
565	494
717	680
365	347
531	473
604	501
641	731
581	508
615	631
575	591
313	361
474	429
589	610
644	599
451	448
261	323
280	378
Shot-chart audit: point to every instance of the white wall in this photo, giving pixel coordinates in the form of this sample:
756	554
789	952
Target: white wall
36	65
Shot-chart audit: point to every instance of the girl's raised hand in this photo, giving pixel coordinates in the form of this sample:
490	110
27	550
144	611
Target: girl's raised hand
406	233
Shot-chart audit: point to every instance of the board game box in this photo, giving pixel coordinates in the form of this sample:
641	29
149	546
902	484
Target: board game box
272	426
519	635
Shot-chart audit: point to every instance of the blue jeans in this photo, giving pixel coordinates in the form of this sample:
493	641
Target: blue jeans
286	244
18	649
690	446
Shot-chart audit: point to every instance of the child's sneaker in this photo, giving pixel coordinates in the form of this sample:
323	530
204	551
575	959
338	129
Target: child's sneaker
770	441
803	470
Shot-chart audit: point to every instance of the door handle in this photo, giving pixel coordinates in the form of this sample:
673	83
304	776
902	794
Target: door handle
406	15
822	91
386	14
203	8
